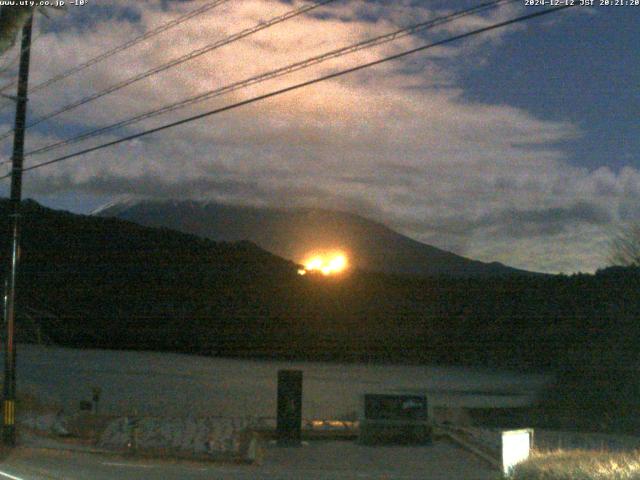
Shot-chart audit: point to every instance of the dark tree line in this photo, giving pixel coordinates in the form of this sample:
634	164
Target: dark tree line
113	284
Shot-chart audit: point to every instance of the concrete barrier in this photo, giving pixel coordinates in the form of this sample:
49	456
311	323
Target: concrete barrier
208	437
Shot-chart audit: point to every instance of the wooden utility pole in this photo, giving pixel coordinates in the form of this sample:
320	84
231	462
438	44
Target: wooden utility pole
9	403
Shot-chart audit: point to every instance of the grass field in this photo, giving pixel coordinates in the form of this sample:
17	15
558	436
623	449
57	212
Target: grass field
579	465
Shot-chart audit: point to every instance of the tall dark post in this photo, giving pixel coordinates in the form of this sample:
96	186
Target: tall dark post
9	408
289	407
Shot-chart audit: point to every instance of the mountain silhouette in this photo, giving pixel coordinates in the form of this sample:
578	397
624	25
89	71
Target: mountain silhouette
295	234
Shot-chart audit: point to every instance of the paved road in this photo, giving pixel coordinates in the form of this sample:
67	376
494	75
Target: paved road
316	461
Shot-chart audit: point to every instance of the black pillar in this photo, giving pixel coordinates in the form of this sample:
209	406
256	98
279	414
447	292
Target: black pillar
289	407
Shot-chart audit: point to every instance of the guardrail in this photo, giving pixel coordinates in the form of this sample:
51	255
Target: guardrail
502	449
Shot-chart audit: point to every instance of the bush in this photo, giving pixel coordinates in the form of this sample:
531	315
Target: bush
597	387
579	465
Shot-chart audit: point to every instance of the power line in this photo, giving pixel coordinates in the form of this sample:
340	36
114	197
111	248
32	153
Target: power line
372	42
130	43
298	86
190	56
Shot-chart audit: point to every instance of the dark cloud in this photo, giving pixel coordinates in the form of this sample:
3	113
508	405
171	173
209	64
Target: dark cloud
86	19
544	221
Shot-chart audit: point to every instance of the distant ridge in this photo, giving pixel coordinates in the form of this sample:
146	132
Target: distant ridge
295	233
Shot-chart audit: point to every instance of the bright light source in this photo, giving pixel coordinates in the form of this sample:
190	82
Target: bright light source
331	263
516	445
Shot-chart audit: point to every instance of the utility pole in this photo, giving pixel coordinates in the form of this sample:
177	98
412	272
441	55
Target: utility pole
9	403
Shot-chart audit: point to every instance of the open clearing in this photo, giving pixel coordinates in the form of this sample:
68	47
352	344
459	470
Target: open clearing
166	384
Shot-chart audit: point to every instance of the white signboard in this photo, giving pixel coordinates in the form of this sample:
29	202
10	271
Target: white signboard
516	445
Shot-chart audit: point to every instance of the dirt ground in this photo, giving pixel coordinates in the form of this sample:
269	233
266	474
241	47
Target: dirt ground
347	460
319	460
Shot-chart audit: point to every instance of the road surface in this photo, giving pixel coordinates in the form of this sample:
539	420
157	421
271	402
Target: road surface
328	460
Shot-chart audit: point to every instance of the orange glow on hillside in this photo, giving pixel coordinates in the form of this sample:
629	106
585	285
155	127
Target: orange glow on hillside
325	263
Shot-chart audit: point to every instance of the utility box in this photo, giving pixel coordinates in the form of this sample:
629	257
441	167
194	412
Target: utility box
289	426
390	419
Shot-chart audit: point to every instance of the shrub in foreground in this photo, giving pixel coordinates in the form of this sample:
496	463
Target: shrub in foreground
579	465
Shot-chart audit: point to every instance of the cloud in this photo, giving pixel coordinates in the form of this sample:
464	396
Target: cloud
399	143
544	222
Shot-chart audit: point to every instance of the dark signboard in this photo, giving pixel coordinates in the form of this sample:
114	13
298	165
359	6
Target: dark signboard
395	420
395	407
